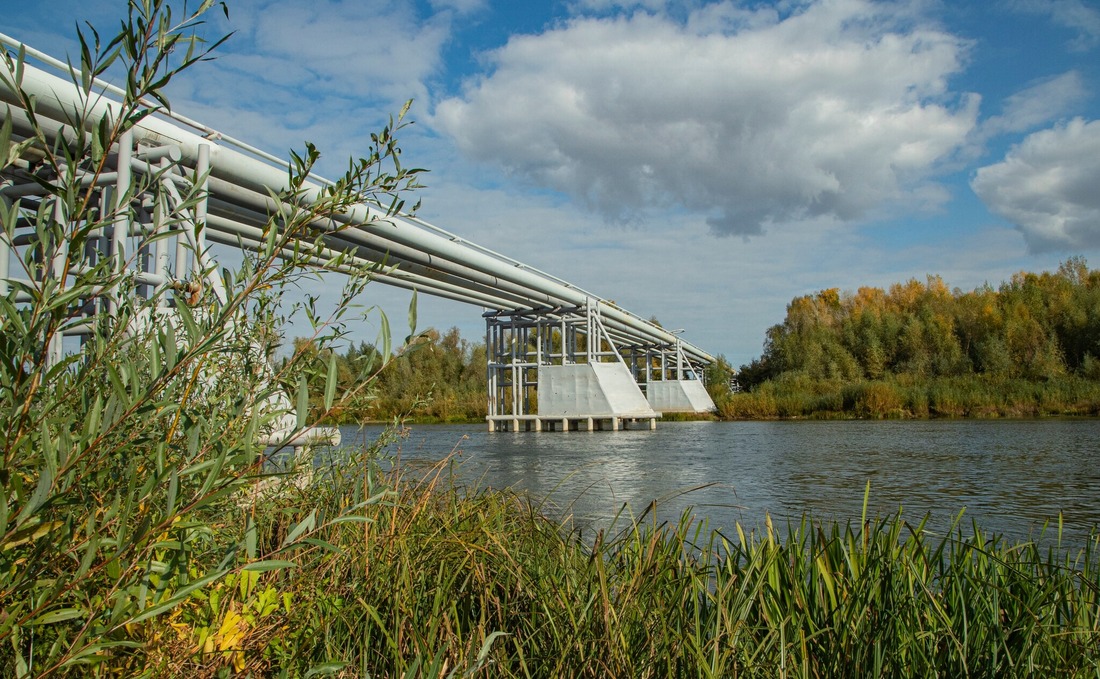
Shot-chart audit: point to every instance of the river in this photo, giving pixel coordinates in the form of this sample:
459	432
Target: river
1010	476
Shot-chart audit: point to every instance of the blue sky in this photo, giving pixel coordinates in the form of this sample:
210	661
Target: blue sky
701	162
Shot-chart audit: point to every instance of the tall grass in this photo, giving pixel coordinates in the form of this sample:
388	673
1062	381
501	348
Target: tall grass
440	579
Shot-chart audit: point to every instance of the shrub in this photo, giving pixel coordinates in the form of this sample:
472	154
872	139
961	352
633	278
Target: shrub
132	467
878	399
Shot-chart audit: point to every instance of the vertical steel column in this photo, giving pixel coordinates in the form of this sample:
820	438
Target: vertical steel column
122	197
161	222
5	249
202	170
528	383
517	377
94	247
98	249
498	357
182	260
490	374
568	354
181	268
58	254
588	355
198	258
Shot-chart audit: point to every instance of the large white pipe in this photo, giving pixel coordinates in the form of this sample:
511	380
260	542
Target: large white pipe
59	99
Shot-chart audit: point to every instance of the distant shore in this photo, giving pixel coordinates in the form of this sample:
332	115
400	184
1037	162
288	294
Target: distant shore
977	396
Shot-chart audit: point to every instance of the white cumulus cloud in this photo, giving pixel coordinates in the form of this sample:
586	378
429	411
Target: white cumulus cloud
1038	104
374	49
330	72
1048	187
832	111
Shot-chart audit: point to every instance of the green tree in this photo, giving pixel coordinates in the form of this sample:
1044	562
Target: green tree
1035	326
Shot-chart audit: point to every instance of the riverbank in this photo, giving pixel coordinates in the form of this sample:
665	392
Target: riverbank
902	397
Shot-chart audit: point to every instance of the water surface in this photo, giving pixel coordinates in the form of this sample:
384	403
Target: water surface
1009	476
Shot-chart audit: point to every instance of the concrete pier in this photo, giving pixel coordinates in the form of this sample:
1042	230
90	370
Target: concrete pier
536	423
591	391
679	396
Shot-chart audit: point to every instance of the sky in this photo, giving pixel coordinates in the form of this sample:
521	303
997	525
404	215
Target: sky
700	162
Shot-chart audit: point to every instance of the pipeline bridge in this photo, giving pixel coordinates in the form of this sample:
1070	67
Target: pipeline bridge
559	357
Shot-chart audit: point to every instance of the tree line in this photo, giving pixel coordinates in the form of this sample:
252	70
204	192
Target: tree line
438	376
1034	326
1028	347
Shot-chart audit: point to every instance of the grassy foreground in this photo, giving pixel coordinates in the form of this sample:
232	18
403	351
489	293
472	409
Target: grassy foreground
437	580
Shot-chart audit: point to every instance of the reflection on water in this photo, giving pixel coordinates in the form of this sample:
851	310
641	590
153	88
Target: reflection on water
1010	476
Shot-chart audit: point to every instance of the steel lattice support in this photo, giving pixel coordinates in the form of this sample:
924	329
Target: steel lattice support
526	347
662	362
155	236
152	242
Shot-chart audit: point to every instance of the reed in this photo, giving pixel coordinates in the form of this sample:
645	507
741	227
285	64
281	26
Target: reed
438	579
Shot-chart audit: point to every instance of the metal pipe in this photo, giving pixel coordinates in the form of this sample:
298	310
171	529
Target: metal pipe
396	278
34	189
5	253
210	133
254	207
153	154
247	207
122	209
